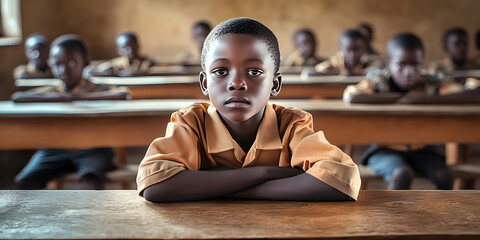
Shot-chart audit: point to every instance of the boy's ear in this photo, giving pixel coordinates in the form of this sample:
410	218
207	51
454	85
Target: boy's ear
203	82
277	85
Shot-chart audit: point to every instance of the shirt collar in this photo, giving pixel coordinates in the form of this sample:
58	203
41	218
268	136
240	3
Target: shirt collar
80	87
219	139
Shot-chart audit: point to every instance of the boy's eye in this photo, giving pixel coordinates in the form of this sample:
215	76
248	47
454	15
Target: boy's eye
254	72
72	63
401	65
220	72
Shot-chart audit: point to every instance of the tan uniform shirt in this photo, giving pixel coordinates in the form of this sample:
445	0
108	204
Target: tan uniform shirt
296	59
196	138
29	71
336	64
122	64
446	65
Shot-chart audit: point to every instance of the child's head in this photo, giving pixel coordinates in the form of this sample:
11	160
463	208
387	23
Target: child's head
240	61
305	41
37	50
127	45
367	31
200	32
405	53
69	55
352	46
455	42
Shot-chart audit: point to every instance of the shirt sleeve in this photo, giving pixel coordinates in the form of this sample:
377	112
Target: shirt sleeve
313	153
326	67
169	155
363	86
472	83
449	86
20	72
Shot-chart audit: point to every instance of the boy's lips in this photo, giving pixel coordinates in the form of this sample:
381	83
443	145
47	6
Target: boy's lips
237	102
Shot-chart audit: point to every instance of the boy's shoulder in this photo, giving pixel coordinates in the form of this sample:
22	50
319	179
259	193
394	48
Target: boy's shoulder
290	114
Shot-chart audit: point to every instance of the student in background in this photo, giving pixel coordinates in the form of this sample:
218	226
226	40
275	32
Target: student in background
130	61
403	81
191	56
240	145
36	50
367	31
69	55
305	54
455	42
351	59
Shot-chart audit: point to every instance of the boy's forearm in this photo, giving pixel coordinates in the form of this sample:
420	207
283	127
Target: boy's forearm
106	95
374	98
190	185
303	187
20	97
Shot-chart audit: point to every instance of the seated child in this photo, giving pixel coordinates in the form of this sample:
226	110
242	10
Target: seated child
403	81
192	56
367	31
306	45
351	59
130	61
36	50
455	42
239	145
69	56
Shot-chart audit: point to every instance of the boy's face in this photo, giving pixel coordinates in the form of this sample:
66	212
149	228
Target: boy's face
127	47
306	44
200	34
37	53
352	50
405	67
457	47
239	76
67	64
366	34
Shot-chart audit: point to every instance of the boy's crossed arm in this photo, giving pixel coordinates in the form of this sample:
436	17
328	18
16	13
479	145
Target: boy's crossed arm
262	182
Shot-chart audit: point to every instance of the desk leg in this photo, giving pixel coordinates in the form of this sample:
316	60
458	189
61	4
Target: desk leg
452	158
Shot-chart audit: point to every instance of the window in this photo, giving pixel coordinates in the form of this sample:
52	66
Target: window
10	22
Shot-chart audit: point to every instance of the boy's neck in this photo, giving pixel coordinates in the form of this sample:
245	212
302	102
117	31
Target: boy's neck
245	132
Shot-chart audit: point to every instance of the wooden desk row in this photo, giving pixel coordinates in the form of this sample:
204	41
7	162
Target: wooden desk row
86	124
187	86
123	214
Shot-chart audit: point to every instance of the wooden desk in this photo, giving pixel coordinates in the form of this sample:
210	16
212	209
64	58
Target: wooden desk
87	124
153	87
124	215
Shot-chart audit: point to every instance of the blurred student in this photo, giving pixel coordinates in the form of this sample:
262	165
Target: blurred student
455	43
130	61
69	55
192	56
403	81
36	50
352	58
367	31
305	54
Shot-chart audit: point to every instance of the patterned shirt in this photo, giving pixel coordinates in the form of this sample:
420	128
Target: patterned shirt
122	64
30	71
296	59
446	66
336	64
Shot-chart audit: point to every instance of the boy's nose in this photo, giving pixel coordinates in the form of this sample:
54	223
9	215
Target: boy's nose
237	83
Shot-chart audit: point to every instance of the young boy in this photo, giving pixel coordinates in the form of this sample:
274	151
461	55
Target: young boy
200	33
351	59
36	50
455	42
404	82
305	55
69	56
367	31
130	61
239	145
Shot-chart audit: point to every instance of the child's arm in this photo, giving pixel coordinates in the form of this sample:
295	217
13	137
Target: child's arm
103	95
190	185
374	98
302	187
26	96
465	97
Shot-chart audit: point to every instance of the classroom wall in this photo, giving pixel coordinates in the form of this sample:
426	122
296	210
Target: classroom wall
164	26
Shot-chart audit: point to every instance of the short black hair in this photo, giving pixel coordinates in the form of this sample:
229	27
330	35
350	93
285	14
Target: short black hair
36	38
351	34
367	27
72	42
244	26
129	35
304	31
404	41
453	31
477	40
202	24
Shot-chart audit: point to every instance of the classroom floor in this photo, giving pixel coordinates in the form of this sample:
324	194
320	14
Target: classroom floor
9	168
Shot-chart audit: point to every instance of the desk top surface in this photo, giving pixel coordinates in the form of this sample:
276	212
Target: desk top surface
167	106
123	214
